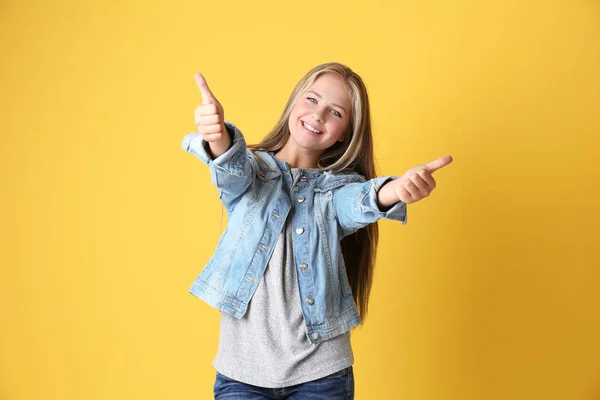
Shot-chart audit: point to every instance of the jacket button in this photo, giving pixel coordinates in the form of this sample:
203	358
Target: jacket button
299	231
304	179
303	265
301	198
310	301
315	335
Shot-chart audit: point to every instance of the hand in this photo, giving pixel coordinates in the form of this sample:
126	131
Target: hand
417	183
209	116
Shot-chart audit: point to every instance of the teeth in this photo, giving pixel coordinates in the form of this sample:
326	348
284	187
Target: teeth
307	126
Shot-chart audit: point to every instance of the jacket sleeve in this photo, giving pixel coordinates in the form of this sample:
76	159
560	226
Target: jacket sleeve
355	205
233	171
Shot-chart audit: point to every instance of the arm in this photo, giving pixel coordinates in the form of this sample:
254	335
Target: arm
233	171
216	149
386	196
221	146
356	205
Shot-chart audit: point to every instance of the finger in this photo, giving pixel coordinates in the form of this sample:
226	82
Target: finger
420	184
439	163
207	119
207	96
206	109
412	189
425	174
404	195
215	128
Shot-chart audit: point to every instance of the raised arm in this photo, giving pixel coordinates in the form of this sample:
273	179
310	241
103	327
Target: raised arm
222	147
359	204
355	205
210	120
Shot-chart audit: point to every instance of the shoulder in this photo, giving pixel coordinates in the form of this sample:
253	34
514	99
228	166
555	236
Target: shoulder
265	160
346	176
336	179
266	165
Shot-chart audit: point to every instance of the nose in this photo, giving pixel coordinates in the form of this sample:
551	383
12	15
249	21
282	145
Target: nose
318	114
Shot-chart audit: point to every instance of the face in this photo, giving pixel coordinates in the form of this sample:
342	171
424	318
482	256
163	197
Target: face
321	116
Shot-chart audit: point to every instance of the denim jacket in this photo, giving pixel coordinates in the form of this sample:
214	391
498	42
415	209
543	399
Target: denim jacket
325	207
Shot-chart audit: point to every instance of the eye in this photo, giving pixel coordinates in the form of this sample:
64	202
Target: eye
312	99
336	113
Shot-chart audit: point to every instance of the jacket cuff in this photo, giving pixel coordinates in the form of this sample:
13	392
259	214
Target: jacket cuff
231	162
368	203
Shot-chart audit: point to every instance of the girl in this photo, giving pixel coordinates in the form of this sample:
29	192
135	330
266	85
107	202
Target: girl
292	271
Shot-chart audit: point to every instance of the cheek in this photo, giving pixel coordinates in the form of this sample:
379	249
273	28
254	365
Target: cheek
301	109
341	127
296	113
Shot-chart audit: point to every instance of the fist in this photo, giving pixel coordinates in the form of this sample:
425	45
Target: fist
208	116
417	183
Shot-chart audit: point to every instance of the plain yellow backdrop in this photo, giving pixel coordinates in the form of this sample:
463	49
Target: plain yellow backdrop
492	289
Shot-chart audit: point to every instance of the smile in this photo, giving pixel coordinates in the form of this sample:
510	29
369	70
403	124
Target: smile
310	128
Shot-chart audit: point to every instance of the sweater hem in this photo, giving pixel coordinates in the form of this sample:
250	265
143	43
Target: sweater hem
330	369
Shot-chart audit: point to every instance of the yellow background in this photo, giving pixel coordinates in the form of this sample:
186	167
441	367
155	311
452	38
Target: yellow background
492	289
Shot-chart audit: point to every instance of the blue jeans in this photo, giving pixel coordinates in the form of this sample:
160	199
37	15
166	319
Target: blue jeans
337	386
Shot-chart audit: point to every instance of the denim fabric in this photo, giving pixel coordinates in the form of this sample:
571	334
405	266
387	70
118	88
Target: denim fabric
326	206
337	386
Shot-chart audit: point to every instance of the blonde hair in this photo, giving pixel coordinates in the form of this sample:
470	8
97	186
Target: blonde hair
354	154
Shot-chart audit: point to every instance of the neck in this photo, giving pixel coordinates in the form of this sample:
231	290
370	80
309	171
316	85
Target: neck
300	158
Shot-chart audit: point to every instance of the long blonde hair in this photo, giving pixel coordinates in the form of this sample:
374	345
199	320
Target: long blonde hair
355	154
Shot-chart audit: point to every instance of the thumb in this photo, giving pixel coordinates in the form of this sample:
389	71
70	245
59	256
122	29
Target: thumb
207	96
439	163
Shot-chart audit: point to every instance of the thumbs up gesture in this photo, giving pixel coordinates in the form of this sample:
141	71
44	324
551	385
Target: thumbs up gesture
417	183
210	119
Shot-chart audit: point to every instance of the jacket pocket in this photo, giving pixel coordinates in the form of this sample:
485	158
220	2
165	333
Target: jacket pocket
324	204
324	197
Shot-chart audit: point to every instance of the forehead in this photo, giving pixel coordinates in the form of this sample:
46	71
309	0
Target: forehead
332	89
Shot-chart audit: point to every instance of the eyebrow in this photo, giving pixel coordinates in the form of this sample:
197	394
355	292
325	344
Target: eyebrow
319	96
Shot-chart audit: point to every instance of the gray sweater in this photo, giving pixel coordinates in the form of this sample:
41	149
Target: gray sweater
268	346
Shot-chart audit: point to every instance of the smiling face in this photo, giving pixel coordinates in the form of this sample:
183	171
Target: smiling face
321	116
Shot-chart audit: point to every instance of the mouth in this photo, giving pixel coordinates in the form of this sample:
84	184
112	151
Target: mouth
311	129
